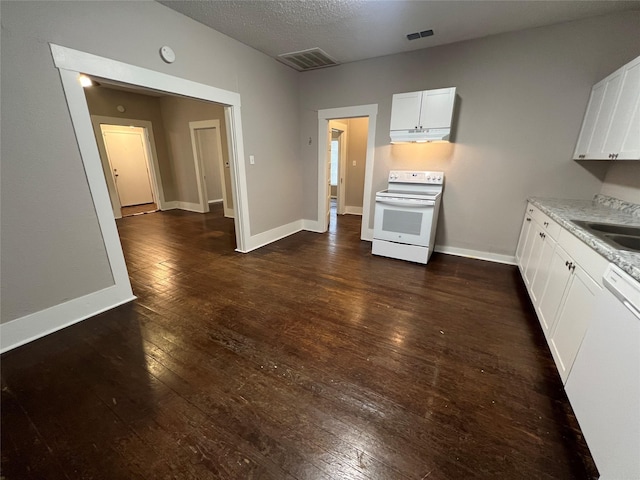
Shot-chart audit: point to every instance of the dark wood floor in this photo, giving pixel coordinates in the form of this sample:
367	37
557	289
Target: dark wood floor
306	359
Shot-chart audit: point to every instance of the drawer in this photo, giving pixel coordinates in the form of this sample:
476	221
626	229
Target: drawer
548	225
591	262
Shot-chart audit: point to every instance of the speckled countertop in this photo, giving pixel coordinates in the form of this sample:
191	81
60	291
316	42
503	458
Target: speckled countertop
601	209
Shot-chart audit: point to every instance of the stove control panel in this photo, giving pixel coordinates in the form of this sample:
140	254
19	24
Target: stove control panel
410	176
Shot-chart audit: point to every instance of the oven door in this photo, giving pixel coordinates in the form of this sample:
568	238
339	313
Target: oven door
403	220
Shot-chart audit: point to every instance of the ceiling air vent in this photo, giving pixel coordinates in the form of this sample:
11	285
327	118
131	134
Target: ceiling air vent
309	59
417	35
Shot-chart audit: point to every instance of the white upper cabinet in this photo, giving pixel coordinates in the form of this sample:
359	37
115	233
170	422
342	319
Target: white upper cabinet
405	111
611	125
422	116
623	136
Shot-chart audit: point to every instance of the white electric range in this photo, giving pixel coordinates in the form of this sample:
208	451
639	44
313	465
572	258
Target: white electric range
406	215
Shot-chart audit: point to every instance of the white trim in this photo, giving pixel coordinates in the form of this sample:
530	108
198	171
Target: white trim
95	177
343	140
239	190
275	234
217	200
324	116
202	185
353	210
197	161
313	226
476	254
191	207
150	145
36	325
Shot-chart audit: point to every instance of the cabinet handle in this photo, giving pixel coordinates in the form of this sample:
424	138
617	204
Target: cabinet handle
531	210
566	264
616	157
610	155
528	219
573	267
546	224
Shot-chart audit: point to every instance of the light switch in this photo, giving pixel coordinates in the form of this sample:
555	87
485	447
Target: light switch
252	160
354	163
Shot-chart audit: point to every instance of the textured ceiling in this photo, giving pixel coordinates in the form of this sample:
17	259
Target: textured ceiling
350	30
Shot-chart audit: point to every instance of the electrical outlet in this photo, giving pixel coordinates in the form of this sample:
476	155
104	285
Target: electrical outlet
252	160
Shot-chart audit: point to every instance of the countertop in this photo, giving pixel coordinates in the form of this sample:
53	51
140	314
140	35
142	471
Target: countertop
601	209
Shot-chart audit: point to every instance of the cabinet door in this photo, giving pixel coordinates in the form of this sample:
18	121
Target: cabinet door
575	316
612	88
535	237
557	279
623	137
405	110
437	108
544	268
589	122
524	233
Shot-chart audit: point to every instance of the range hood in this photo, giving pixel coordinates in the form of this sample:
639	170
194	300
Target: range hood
420	135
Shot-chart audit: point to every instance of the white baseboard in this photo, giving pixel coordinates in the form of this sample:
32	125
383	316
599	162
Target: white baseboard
188	206
478	255
313	226
270	236
353	210
36	325
219	200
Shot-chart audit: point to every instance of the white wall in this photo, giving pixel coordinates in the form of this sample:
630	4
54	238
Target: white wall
522	97
52	251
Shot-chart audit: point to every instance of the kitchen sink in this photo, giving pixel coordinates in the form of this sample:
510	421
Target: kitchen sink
609	227
630	242
622	237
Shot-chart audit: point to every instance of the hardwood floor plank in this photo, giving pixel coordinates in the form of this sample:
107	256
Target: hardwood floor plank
306	359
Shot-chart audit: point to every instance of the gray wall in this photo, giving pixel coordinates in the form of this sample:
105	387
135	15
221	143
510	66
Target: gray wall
522	97
623	181
52	250
177	112
356	151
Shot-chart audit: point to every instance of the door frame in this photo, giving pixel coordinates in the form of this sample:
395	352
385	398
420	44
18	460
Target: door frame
71	63
152	156
203	196
324	116
343	139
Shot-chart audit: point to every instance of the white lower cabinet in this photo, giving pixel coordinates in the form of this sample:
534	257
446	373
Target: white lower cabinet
593	337
559	271
573	319
557	281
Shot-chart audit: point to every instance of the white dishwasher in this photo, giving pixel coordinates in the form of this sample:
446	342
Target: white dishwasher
604	384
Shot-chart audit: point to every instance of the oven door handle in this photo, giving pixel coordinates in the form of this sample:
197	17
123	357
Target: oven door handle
399	203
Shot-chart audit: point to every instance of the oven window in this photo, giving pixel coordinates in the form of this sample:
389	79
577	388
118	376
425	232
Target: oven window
398	221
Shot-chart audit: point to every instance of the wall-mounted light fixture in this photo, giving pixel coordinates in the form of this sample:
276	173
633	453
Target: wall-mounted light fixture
85	81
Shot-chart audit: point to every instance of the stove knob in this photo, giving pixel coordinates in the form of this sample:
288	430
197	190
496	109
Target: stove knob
439	179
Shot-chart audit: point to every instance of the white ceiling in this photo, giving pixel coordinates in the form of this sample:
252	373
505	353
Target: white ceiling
350	30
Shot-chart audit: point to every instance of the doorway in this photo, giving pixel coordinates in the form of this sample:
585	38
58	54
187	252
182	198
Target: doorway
71	63
129	166
213	174
337	161
327	120
115	127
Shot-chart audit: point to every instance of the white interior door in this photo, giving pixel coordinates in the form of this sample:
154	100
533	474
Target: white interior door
206	141
129	164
